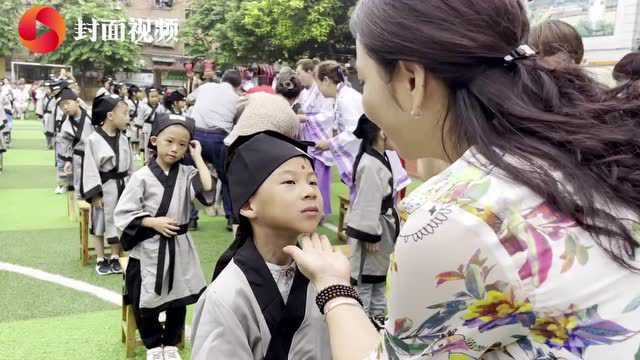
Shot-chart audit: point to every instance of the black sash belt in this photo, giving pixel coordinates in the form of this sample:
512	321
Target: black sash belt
162	253
112	175
117	176
78	152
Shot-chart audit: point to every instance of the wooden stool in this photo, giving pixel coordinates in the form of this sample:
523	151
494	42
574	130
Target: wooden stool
86	251
344	207
128	325
71	205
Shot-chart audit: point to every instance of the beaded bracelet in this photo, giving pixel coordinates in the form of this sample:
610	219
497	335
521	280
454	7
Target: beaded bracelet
336	291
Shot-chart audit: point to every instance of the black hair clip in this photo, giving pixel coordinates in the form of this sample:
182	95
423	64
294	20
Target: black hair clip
341	75
521	52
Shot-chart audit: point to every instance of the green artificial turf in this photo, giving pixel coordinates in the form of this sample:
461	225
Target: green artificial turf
30	144
25	298
94	335
31	209
28	177
20	157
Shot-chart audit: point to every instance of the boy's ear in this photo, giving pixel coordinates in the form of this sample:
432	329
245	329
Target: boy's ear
247	210
153	140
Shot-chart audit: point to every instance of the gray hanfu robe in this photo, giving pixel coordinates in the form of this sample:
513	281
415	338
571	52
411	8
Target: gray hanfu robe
133	132
70	145
242	315
4	128
108	163
372	217
162	272
147	115
49	105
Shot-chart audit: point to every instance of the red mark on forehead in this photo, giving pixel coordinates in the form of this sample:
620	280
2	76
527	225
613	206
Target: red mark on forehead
304	167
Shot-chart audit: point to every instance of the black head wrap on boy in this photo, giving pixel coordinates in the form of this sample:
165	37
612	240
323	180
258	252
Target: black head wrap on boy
149	89
164	120
101	106
66	94
251	160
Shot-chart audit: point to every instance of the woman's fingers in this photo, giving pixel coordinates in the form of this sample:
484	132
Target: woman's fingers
295	252
326	244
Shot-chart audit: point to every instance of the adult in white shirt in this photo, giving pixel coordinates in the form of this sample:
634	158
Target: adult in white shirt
214	112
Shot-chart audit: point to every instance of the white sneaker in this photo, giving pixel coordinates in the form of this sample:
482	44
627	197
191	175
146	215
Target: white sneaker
155	354
60	190
171	353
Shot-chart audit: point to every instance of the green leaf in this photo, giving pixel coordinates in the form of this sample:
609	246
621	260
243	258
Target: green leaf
633	305
473	281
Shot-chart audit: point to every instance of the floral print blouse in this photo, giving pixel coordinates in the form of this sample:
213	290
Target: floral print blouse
485	269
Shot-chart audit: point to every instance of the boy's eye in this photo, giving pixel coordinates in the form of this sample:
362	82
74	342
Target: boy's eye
313	182
289	182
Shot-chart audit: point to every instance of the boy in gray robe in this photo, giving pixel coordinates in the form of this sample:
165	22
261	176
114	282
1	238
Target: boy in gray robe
108	163
372	222
70	140
48	103
152	218
147	115
259	305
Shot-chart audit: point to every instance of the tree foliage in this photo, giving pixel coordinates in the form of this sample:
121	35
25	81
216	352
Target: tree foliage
11	11
235	31
84	54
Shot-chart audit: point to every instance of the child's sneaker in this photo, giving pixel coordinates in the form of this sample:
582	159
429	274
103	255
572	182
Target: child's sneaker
114	263
103	267
171	353
155	354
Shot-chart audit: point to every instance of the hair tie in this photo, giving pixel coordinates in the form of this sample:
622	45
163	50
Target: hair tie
521	52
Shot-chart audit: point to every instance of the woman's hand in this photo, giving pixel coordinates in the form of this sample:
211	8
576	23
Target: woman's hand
319	262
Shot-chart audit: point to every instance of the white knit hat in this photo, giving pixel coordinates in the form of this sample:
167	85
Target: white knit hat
262	112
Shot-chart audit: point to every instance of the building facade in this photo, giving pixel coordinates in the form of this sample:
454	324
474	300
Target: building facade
162	61
610	28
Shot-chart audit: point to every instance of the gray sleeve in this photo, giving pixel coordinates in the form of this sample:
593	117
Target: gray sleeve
363	219
64	140
91	181
217	332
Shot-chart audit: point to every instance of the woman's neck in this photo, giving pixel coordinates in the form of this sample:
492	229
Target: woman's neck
270	243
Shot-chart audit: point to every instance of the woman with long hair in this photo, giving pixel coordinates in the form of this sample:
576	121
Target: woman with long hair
526	246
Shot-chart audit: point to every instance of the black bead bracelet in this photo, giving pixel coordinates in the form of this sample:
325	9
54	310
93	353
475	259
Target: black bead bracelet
336	291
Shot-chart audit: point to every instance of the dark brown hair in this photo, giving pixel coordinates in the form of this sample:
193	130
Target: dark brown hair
332	70
549	119
627	71
232	77
555	38
308	65
628	68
